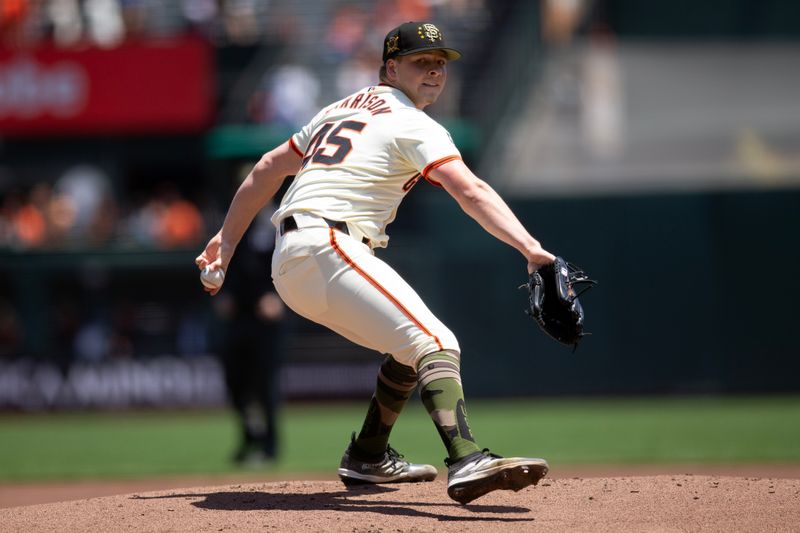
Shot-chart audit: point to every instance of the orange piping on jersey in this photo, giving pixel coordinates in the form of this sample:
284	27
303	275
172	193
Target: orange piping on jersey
434	182
381	289
437	164
411	182
294	147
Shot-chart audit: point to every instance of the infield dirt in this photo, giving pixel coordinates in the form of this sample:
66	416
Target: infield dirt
598	504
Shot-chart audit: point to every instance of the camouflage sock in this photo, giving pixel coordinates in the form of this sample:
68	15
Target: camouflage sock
441	392
396	384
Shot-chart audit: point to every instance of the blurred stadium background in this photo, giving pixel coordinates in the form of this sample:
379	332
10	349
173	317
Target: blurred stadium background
657	144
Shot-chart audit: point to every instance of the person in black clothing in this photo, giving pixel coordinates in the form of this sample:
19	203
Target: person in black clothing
251	318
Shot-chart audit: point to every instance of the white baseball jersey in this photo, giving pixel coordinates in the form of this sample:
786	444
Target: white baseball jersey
361	155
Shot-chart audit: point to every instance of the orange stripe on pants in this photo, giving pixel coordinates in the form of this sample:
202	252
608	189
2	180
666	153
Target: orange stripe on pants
372	281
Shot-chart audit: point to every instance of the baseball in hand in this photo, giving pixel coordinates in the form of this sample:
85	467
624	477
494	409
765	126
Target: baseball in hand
212	279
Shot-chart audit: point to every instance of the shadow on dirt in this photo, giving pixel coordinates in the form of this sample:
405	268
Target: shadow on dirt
343	501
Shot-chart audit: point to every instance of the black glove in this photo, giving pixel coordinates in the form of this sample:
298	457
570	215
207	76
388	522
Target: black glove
553	292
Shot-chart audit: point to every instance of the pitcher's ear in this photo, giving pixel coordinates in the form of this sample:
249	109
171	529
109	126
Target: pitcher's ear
391	69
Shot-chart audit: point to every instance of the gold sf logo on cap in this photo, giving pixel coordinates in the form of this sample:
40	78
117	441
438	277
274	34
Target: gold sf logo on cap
430	31
391	44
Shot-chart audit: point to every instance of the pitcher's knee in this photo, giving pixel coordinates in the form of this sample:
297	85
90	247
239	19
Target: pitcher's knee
445	364
411	354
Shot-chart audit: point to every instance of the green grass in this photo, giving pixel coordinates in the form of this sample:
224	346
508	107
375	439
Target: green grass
577	431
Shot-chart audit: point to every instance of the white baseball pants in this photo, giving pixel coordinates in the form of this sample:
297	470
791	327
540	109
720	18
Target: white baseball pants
335	280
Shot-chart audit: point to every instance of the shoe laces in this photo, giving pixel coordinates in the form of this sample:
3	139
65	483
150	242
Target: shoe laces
394	456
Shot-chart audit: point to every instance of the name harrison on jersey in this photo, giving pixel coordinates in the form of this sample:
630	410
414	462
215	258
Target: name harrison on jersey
374	104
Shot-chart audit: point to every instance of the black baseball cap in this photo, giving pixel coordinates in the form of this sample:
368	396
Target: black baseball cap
413	37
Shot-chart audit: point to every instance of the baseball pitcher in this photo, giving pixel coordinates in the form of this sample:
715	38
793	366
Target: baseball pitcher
353	164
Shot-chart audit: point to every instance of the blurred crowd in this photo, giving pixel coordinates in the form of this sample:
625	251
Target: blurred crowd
329	48
67	23
81	210
108	22
317	51
334	49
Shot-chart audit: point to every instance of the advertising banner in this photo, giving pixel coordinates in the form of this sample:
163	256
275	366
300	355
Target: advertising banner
164	86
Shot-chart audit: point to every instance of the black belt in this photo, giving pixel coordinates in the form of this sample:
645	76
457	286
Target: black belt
290	224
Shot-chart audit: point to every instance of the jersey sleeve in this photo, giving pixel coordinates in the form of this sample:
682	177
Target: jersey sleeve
426	145
299	141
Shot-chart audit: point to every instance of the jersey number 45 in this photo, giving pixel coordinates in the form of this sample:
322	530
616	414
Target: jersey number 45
323	143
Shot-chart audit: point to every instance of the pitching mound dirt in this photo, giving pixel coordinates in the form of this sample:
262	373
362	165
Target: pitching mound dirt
652	504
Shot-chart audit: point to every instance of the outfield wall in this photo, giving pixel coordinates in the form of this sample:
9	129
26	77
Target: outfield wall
698	293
